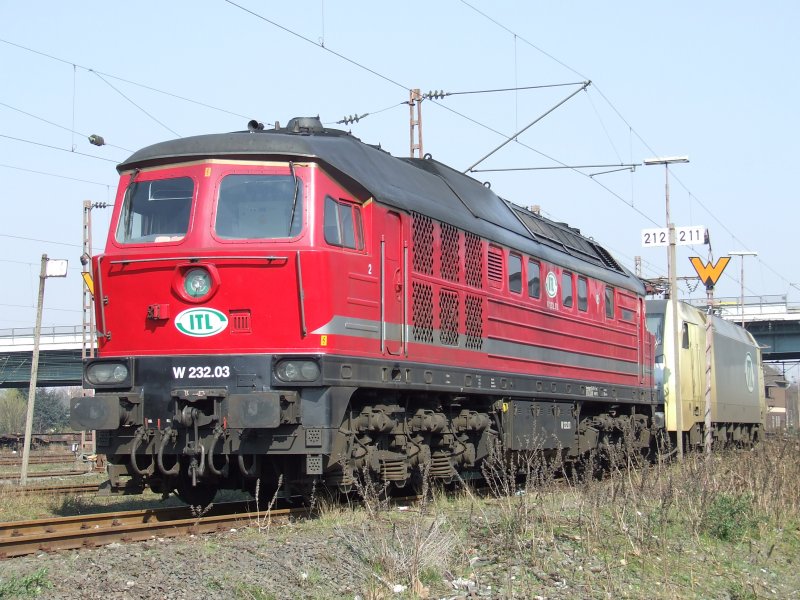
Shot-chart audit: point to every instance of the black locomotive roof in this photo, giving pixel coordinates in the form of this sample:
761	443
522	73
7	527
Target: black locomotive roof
424	186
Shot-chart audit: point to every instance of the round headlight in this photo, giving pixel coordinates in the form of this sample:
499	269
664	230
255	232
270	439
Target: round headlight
197	283
106	373
297	370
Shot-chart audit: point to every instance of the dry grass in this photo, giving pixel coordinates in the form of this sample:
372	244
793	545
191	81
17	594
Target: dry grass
726	527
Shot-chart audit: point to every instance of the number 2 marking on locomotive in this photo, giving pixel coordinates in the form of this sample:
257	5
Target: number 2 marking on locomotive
201	372
369	269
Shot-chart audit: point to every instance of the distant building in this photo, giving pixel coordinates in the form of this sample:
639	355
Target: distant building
781	405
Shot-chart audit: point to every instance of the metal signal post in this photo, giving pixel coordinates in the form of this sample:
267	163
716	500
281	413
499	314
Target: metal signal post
415	100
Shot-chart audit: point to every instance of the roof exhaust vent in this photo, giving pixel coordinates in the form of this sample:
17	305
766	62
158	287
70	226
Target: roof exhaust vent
254	125
305	125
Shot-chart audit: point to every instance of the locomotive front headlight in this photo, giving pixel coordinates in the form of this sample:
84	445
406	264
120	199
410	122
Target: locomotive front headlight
197	283
297	370
106	373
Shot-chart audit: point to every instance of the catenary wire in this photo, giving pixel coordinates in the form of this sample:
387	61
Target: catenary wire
57	148
118	78
19	110
404	87
108	83
105	185
632	130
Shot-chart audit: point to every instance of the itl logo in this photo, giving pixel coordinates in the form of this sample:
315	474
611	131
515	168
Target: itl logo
201	322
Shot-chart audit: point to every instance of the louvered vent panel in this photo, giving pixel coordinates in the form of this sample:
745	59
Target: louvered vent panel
422	238
451	265
474	307
448	318
495	267
240	321
472	260
422	312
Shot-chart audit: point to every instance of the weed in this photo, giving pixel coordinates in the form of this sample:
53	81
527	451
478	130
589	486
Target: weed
264	523
27	586
410	552
249	591
729	517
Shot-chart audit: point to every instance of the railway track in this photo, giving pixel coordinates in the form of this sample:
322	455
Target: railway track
66	533
14	476
16	461
73	488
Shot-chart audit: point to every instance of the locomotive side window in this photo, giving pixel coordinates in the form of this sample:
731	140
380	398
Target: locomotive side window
534	279
342	224
515	273
583	294
257	207
566	289
627	307
609	302
156	211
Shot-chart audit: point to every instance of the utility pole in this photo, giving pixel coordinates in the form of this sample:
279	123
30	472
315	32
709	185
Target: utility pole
415	122
673	301
55	268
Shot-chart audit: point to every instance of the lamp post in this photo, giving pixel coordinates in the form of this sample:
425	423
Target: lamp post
50	268
673	297
742	254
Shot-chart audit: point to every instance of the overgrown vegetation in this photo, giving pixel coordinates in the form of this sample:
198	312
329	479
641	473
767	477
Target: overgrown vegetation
724	527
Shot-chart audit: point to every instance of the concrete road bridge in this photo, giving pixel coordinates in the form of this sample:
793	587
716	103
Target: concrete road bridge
771	319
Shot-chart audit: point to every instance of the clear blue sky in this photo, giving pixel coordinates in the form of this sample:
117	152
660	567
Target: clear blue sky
713	80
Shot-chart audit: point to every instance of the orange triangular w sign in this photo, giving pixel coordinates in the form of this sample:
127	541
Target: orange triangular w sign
708	274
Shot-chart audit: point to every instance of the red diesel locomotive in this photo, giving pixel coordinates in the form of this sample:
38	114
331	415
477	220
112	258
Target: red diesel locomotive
295	305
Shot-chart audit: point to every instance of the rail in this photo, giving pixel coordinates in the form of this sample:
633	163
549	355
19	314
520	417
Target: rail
67	533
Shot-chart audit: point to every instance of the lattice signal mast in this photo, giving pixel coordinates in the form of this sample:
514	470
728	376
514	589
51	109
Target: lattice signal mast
88	335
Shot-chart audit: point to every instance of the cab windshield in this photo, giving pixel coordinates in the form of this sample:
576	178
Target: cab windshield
259	207
156	211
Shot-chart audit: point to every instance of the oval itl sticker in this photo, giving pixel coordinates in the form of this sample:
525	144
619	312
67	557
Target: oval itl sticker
201	322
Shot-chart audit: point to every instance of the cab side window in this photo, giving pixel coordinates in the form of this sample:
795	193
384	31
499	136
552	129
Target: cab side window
515	273
566	289
609	302
342	224
583	294
534	279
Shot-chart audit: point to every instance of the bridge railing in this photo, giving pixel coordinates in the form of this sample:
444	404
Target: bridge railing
22	336
763	307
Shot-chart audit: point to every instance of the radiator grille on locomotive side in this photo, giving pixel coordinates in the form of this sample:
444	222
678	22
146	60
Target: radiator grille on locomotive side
451	265
422	312
474	308
448	318
472	260
422	237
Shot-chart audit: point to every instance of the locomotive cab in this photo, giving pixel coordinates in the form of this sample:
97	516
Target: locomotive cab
215	276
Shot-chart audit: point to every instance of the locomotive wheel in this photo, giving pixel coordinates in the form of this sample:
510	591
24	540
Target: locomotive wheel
199	495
